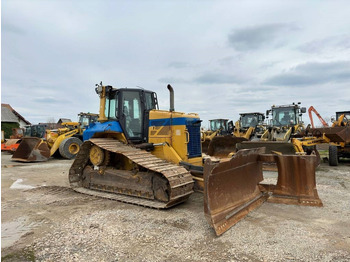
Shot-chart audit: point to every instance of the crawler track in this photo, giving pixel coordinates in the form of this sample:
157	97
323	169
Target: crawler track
180	182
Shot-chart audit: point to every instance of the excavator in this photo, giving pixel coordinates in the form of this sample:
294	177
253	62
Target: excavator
64	142
138	154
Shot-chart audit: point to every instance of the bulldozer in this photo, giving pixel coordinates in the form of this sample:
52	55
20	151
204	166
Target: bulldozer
64	142
139	154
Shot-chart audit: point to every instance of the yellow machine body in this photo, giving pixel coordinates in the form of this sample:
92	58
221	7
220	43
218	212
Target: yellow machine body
168	131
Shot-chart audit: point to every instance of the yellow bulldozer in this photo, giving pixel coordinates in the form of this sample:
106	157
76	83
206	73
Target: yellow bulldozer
64	142
250	125
141	155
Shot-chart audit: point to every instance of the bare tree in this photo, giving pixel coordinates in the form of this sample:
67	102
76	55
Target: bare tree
51	122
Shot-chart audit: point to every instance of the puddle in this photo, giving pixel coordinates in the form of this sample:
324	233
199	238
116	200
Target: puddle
17	185
13	230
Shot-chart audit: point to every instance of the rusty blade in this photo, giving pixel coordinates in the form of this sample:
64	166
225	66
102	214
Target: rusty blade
278	146
31	149
296	183
221	146
231	189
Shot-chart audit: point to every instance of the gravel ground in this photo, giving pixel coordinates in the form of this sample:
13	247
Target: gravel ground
44	220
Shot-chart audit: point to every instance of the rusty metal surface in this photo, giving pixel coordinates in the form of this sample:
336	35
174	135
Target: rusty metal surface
278	146
180	182
221	146
335	134
231	189
31	149
296	183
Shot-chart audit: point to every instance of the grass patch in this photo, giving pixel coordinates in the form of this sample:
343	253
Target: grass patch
25	255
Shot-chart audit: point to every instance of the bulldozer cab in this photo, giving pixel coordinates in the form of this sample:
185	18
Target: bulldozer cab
130	107
288	115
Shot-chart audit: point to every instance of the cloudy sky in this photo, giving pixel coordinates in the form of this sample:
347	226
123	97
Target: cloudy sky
221	57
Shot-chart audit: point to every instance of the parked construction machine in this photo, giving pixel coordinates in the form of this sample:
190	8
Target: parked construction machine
139	154
217	127
285	124
11	145
250	125
337	136
64	142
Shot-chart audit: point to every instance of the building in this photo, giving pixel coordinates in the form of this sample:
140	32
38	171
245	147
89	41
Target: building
10	118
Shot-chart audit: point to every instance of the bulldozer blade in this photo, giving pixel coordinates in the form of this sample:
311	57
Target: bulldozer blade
271	146
232	189
31	149
221	146
296	183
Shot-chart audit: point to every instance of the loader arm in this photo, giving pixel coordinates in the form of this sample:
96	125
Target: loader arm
60	138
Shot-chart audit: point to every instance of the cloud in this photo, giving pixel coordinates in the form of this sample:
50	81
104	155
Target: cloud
328	43
312	73
169	80
253	38
47	100
218	78
177	64
7	27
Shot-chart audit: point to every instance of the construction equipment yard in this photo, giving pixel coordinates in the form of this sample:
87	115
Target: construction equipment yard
43	219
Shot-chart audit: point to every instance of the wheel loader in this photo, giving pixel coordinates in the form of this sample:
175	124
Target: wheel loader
249	126
141	155
64	142
217	127
285	124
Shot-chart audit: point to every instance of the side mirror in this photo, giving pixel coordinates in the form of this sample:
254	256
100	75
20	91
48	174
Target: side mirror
303	110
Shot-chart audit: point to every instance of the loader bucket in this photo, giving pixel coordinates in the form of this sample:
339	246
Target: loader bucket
31	149
221	146
296	183
271	146
231	189
335	134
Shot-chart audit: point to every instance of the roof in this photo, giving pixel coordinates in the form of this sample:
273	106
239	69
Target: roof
8	114
63	120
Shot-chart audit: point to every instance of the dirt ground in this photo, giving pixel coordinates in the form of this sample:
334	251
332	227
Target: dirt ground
44	220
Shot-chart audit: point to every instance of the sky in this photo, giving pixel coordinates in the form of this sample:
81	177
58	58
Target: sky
221	57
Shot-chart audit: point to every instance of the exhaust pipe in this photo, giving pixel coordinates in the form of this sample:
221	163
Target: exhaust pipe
171	90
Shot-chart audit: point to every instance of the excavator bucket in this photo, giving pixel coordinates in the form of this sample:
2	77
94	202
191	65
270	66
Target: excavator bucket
31	149
232	189
222	146
271	146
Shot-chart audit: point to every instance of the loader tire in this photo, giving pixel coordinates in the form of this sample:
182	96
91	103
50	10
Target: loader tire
70	147
333	155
